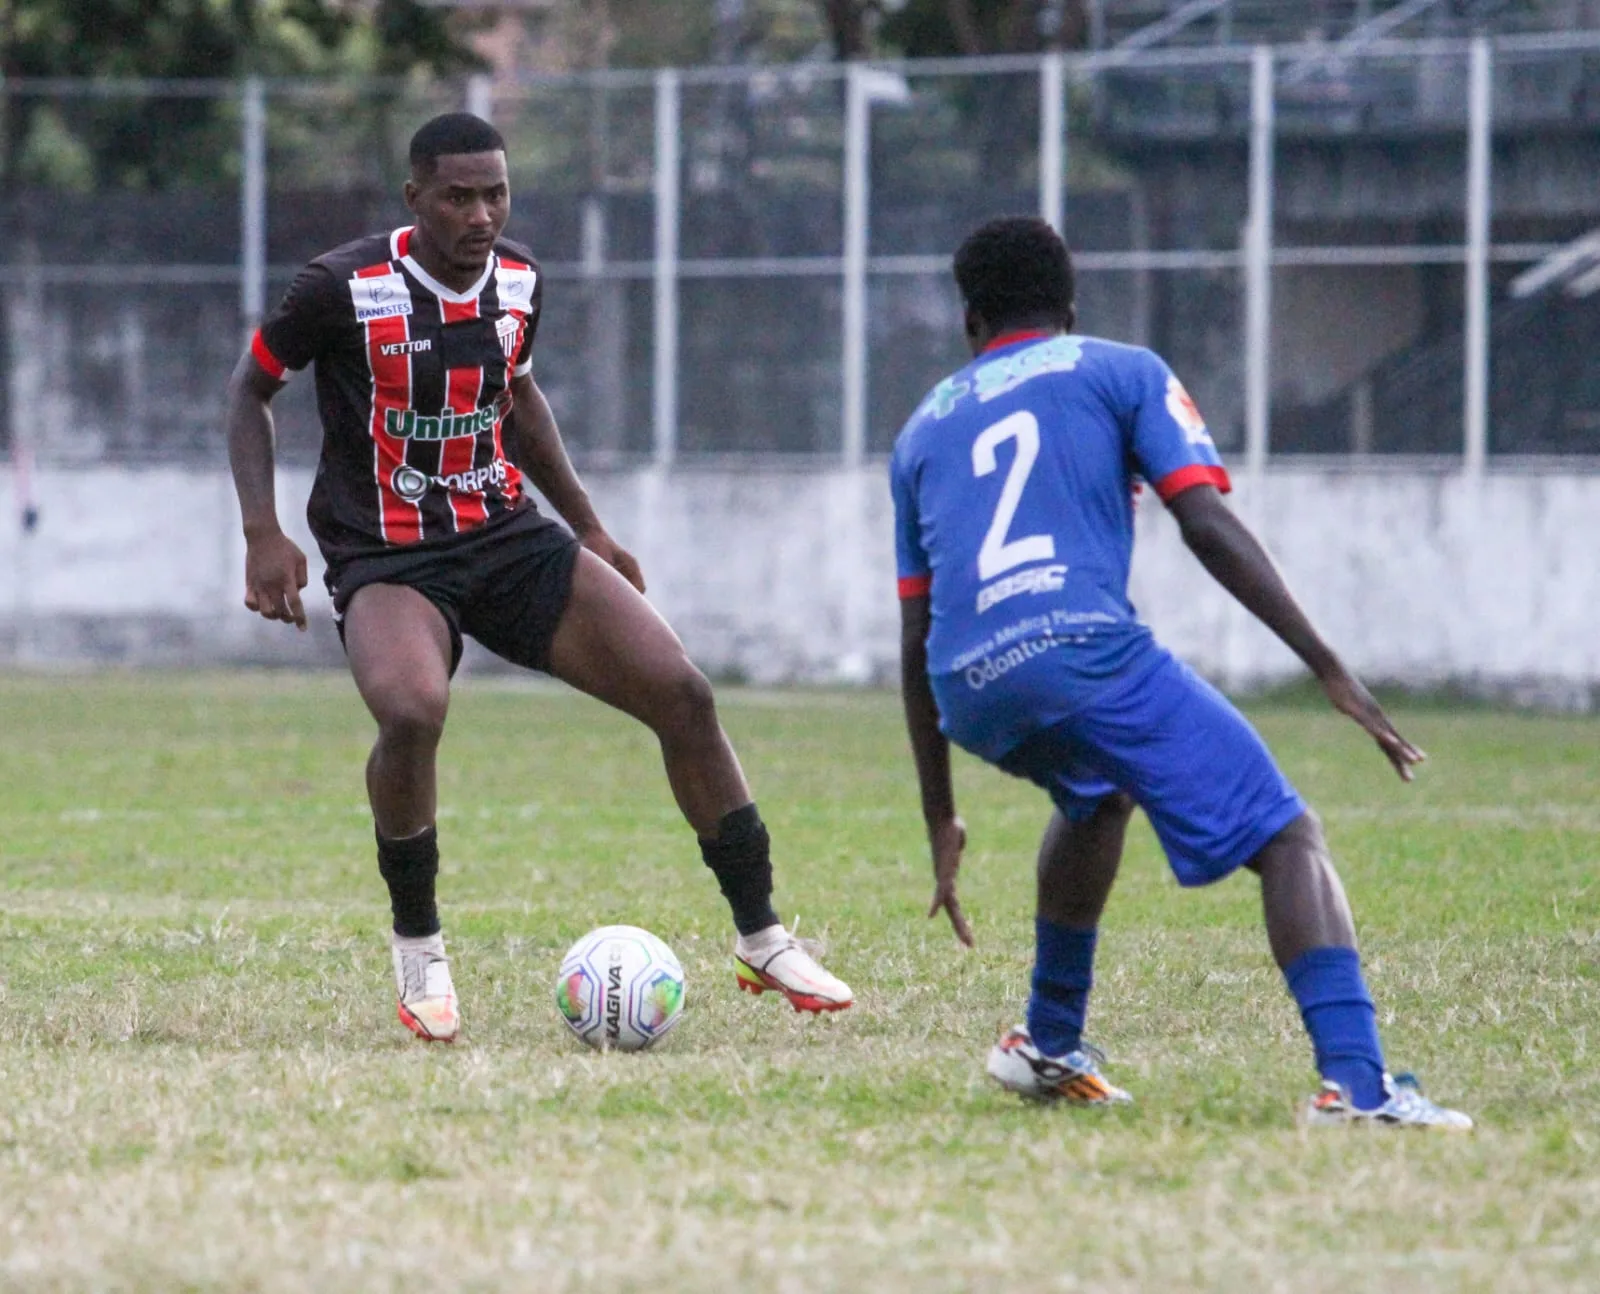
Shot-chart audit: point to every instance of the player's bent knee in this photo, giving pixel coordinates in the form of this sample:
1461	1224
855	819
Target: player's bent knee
687	701
412	717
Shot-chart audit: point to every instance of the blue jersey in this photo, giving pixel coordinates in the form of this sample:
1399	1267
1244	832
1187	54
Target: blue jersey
1013	492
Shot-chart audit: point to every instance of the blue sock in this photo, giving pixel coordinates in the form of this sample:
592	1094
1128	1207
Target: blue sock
1063	972
1342	1022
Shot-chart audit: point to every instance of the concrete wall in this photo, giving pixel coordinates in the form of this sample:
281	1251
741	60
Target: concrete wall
788	574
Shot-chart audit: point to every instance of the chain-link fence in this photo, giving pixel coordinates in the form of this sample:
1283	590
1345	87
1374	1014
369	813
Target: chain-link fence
1374	251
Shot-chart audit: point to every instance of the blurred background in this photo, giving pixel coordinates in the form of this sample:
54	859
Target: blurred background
1365	233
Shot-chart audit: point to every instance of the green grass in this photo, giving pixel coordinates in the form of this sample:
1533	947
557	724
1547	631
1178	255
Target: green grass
205	1087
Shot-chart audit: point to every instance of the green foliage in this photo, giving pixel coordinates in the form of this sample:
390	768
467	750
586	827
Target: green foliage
160	141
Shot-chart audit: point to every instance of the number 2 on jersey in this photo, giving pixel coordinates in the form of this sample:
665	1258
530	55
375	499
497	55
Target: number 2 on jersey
998	555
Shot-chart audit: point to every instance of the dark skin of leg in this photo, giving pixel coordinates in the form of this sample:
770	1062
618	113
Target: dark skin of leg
398	645
610	644
1301	895
1078	863
613	645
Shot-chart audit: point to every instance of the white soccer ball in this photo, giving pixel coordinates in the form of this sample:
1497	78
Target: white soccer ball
620	988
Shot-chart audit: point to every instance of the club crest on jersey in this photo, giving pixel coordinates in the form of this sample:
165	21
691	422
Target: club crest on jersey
515	288
506	328
382	296
408	424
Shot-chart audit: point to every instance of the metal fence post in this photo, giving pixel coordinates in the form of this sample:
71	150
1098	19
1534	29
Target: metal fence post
1258	265
668	181
253	203
1052	141
1475	406
480	95
857	198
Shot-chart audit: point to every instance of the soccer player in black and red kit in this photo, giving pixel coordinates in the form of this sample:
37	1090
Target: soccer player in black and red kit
422	343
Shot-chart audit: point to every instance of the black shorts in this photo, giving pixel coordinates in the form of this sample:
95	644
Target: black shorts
506	584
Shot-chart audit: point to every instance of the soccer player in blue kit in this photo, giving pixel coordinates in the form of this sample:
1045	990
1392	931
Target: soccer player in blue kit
1013	491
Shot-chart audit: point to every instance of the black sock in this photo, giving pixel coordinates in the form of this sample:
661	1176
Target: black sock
741	859
410	867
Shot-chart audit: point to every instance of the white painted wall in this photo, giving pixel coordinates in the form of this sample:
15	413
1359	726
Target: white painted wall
784	574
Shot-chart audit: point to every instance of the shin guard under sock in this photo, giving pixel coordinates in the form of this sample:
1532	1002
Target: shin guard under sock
410	867
1342	1021
741	859
1063	973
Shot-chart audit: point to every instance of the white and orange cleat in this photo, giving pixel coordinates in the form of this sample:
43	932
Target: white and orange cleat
774	959
1020	1067
427	1004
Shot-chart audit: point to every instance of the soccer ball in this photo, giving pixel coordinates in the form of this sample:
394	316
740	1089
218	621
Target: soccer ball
620	988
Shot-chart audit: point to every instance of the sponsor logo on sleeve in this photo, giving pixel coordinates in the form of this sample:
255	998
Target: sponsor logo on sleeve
515	288
381	297
1186	413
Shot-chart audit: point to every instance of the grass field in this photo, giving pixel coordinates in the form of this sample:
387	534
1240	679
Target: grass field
205	1086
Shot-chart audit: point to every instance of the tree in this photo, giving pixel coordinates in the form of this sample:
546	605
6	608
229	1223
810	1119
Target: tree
159	141
953	28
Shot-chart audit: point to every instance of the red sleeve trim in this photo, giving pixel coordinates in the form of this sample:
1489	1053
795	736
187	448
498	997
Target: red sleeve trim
264	357
915	586
1186	478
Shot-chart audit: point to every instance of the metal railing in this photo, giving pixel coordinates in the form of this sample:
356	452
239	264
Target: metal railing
755	260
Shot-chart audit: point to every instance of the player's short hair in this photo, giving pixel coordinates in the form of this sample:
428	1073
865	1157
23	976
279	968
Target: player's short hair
448	134
1016	270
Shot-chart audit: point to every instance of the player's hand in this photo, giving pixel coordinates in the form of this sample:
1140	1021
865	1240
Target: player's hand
274	574
947	839
1350	696
615	555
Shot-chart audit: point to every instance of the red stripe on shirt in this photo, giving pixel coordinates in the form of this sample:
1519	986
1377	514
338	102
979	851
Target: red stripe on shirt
401	522
915	586
264	357
1186	478
463	386
1012	338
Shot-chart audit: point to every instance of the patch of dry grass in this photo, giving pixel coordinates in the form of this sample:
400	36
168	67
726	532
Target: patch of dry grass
205	1087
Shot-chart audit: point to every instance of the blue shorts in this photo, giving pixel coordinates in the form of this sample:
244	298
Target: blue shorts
1156	730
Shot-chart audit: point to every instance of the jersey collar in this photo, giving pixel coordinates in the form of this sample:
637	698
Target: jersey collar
400	249
1012	338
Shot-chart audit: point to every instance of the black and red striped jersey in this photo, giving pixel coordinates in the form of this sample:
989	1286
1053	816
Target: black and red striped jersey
413	387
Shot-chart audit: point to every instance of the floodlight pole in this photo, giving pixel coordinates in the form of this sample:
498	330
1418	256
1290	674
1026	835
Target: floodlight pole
668	192
1475	429
1258	266
1052	141
253	203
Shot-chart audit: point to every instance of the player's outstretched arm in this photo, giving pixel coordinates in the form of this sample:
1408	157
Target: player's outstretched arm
274	567
536	447
1238	562
947	834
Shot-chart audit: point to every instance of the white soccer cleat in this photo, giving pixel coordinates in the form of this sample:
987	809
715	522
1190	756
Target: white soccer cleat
1405	1107
427	996
774	959
1020	1067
